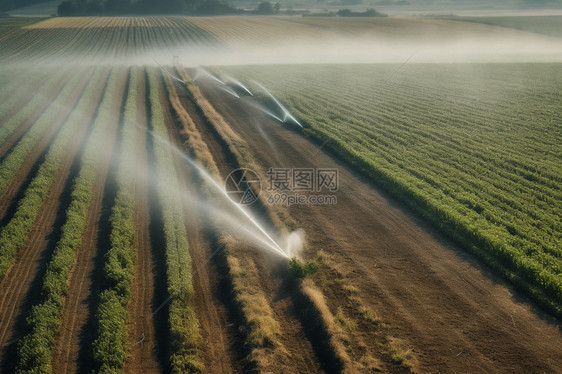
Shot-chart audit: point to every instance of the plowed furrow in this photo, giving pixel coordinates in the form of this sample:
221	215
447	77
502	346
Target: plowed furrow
16	288
143	339
72	349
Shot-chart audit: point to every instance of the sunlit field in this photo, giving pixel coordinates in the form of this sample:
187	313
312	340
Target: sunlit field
280	194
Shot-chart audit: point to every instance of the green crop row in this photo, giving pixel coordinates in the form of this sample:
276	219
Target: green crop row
13	160
110	345
473	149
19	85
14	235
34	349
184	327
40	97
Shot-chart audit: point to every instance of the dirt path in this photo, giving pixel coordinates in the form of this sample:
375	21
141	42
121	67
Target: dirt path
20	288
71	349
143	357
297	349
441	303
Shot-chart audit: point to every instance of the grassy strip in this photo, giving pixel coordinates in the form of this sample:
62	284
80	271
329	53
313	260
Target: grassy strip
110	345
237	146
13	161
184	326
18	87
321	320
14	235
34	349
259	325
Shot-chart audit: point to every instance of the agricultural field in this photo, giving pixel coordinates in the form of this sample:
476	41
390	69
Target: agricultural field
547	25
471	148
436	248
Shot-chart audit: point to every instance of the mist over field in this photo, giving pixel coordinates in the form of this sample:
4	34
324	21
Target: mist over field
306	186
232	41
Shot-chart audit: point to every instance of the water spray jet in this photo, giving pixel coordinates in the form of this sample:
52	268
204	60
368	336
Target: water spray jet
271	243
205	73
292	241
239	84
286	113
229	91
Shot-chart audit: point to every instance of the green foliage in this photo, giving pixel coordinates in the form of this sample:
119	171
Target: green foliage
77	7
474	149
265	8
13	160
110	345
109	349
34	349
368	13
547	25
17	86
184	326
14	235
299	270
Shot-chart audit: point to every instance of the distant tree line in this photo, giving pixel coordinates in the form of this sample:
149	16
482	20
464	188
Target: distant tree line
202	7
348	13
81	7
15	4
368	13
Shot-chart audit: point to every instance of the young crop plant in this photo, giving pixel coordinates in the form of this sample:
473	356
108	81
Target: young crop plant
14	235
110	345
299	270
34	349
16	94
13	160
185	337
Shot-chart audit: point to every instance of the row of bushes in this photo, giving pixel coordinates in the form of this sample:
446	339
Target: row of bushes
34	349
13	161
541	285
185	337
18	87
14	235
24	114
110	345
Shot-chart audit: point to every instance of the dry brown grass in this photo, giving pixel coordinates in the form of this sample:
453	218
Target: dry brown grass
239	148
400	355
260	326
193	139
333	330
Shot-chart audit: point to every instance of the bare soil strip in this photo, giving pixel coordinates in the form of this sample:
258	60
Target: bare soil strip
19	289
440	303
75	331
296	350
222	353
142	325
